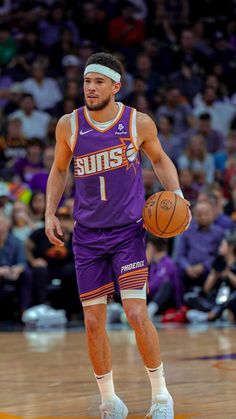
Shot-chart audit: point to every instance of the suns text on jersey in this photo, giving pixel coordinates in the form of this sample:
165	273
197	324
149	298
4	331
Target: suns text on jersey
98	162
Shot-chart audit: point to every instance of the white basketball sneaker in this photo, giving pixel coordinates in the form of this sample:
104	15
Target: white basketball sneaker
114	409
162	407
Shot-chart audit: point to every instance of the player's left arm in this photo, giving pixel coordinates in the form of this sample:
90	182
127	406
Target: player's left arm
163	166
148	141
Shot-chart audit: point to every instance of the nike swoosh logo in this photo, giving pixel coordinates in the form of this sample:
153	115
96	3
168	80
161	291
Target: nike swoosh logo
85	132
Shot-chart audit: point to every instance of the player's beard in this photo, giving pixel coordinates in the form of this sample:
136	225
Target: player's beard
99	106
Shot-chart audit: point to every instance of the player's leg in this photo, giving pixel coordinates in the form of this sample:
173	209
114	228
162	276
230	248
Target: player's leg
95	282
97	340
130	267
149	348
100	355
145	332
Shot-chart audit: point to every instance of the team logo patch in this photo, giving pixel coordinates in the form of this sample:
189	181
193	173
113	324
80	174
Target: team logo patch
166	204
131	153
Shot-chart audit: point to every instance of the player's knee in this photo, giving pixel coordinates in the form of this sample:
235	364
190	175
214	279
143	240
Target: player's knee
137	317
93	323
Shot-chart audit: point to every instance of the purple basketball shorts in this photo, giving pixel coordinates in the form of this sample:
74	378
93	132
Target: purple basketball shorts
109	260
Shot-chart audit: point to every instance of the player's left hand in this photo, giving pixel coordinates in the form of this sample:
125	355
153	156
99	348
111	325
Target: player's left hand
53	230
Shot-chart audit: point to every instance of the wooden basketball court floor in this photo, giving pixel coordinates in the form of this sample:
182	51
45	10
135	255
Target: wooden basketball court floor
47	374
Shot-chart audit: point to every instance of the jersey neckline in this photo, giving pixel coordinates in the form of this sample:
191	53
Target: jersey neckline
117	118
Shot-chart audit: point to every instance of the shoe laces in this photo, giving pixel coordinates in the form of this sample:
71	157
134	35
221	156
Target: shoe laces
159	406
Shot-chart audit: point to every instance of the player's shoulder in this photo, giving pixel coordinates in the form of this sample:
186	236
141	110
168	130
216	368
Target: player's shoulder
65	119
63	128
145	124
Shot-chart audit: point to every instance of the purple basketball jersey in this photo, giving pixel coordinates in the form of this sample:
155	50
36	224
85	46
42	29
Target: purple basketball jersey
108	179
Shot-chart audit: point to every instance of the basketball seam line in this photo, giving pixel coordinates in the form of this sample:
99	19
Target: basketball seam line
163	232
186	218
156	210
148	225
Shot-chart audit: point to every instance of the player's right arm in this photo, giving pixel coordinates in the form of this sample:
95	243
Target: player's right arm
57	179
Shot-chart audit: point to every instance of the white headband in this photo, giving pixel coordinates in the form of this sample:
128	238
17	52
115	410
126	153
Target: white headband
102	69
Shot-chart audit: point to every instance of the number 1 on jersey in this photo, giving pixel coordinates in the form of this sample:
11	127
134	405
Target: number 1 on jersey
103	188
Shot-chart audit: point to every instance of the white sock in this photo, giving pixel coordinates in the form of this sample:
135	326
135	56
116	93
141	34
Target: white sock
157	380
106	386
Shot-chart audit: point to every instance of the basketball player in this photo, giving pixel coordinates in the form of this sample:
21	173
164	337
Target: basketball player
104	138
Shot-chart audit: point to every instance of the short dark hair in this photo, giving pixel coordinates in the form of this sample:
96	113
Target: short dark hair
205	116
169	118
159	243
107	60
27	95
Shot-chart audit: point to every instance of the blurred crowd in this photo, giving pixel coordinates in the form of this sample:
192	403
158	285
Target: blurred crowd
179	58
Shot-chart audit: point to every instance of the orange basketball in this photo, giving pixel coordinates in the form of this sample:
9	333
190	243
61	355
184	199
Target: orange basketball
165	214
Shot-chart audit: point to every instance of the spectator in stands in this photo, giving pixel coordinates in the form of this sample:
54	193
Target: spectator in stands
48	261
5	83
65	47
222	52
38	181
214	195
198	160
14	96
126	30
215	141
188	52
221	113
22	225
86	49
171	143
13	273
50	139
230	206
27	166
201	42
50	29
141	103
224	163
8	45
181	113
145	70
34	122
188	187
160	26
219	290
30	47
37	206
178	46
127	87
198	245
165	290
139	87
188	81
72	95
72	67
212	81
93	22
5	201
13	143
39	87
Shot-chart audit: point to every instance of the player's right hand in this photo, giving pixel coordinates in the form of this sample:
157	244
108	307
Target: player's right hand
53	230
